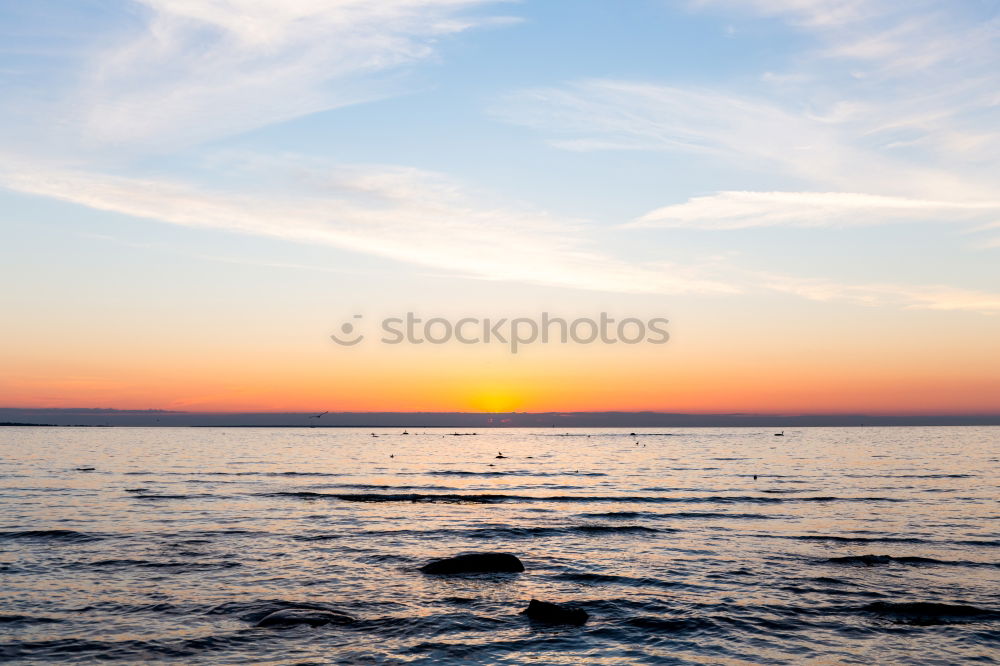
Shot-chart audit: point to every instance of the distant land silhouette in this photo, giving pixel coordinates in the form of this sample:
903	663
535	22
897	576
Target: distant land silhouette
11	416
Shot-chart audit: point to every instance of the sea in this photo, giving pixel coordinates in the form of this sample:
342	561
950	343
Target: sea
690	546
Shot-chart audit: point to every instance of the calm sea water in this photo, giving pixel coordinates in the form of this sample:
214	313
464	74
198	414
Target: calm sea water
179	539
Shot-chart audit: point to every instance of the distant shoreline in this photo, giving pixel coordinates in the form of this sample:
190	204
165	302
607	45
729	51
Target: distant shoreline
470	421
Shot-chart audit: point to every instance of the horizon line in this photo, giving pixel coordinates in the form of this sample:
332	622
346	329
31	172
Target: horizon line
296	412
80	416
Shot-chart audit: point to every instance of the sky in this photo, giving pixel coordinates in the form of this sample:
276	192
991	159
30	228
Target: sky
195	194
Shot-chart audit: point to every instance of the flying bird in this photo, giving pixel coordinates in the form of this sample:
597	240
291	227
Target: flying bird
316	416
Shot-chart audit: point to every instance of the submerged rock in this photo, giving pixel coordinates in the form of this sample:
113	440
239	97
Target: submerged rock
543	611
313	617
475	563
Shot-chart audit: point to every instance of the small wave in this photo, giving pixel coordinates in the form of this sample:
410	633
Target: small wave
421	627
391	558
826	580
668	489
373	486
845	499
870	560
927	612
150	496
491	532
936	476
318	537
610	529
450	472
148	564
633	435
303	494
247	473
400	497
621	515
457	473
910	476
254	611
499	532
874	560
609	579
848	539
50	535
499	498
700	515
672	626
531	532
76	650
630	515
197	534
112	608
694	469
68	649
27	619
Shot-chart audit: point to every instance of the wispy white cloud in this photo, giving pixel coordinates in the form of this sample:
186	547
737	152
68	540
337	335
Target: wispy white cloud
806	13
187	71
909	296
427	220
283	265
403	214
243	261
740	210
927	68
890	117
827	146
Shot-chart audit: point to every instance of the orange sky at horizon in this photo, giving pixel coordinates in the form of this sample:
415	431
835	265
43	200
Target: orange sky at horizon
568	383
745	354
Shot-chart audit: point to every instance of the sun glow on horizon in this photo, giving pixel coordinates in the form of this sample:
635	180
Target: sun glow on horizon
495	400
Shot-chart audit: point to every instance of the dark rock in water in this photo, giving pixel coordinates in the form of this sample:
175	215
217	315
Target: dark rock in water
315	618
475	563
543	611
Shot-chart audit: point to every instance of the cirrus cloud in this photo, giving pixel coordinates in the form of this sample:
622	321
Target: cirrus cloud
741	210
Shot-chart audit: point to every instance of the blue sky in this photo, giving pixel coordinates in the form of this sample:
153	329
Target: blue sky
702	156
